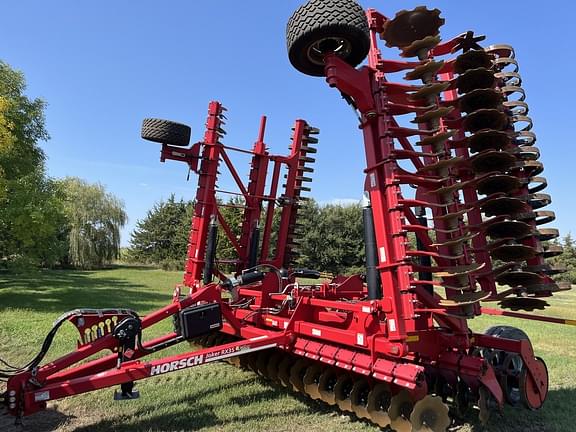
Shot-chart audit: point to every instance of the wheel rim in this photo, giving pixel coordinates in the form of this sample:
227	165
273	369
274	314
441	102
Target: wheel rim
513	367
317	50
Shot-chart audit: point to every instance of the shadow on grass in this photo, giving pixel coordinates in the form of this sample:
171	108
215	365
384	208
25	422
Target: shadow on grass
557	415
62	290
194	413
45	421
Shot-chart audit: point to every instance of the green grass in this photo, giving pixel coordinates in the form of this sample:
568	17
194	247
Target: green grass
219	397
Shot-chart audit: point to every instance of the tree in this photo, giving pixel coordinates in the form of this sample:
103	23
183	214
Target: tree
162	236
21	127
332	238
31	216
566	260
94	219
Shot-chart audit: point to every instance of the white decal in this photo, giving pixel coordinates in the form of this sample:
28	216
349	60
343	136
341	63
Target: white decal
196	360
316	332
360	338
372	180
392	325
382	254
177	365
41	396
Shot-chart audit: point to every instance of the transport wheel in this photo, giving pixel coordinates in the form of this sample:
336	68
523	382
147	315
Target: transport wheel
512	370
342	390
284	370
323	26
401	407
430	414
297	372
165	132
533	391
311	380
506	332
378	404
359	398
511	364
326	384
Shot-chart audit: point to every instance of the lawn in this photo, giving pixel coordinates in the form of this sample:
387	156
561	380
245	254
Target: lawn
219	397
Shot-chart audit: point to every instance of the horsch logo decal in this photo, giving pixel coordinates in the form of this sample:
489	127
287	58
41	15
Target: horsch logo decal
196	360
177	365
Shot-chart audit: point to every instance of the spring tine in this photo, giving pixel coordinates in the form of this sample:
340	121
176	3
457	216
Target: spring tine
310	139
306	159
307	149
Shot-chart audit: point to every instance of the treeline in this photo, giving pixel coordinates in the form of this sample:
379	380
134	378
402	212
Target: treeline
46	222
331	237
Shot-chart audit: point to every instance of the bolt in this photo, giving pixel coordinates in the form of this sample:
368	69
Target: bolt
12	393
12	406
12	399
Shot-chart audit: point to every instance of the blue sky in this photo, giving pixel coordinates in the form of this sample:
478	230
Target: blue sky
103	66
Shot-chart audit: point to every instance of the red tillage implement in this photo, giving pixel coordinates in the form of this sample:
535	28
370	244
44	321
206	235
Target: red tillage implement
393	344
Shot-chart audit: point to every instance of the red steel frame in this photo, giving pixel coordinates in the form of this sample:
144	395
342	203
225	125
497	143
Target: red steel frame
393	339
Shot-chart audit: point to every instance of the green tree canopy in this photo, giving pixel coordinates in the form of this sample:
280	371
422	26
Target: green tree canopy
21	126
567	259
331	236
162	236
94	219
31	216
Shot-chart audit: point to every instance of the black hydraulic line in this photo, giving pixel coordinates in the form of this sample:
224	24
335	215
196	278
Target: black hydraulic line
210	251
7	373
254	243
424	261
370	247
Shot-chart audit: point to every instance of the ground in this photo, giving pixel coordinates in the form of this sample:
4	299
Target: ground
219	397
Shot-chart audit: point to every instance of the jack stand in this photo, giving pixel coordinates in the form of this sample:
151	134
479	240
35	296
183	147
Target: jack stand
126	392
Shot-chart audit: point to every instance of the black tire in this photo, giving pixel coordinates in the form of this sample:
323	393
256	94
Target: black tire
323	25
507	332
510	384
166	132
